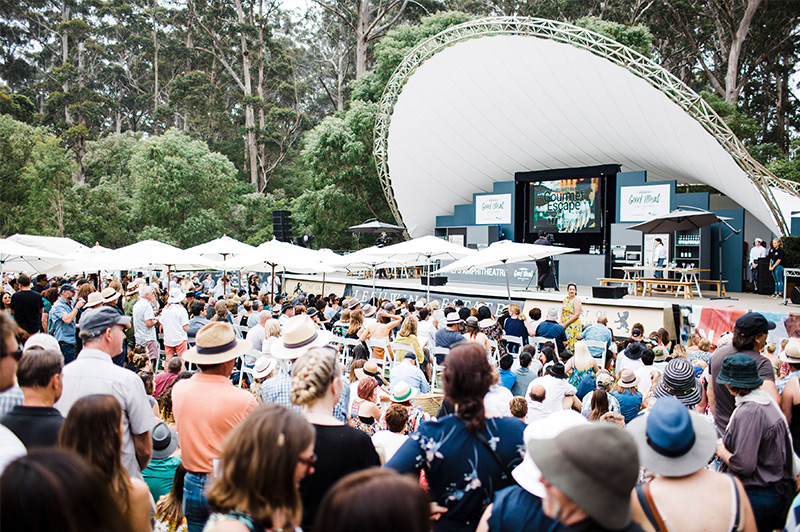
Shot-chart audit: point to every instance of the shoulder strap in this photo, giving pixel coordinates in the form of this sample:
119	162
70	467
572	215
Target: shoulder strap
649	507
481	438
737	506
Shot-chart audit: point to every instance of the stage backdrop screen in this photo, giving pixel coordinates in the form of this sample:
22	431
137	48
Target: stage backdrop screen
566	205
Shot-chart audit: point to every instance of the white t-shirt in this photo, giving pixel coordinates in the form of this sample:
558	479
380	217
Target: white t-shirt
10	447
496	401
624	362
388	441
143	311
555	391
659	252
426	328
173	319
643	376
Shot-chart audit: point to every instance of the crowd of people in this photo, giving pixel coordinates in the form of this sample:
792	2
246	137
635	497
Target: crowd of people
129	405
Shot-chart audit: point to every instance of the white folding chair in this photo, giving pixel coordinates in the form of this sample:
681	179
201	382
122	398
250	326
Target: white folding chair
513	340
399	350
436	369
340	346
494	352
387	362
540	340
601	345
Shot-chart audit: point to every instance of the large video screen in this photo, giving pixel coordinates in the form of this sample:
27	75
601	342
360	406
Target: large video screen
566	205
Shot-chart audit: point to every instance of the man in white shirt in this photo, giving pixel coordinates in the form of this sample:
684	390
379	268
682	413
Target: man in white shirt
93	372
659	257
556	390
144	322
758	251
425	326
175	324
630	358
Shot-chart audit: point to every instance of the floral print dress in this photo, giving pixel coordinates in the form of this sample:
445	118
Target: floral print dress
574	330
462	474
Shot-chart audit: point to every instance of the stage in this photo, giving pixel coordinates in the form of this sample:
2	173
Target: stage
676	314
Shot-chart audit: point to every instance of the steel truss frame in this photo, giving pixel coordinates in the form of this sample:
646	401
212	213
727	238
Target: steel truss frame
597	44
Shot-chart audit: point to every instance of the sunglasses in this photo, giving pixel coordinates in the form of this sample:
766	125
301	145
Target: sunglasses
308	462
16	355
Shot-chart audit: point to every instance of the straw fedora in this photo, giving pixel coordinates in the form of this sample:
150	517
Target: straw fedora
627	379
109	295
792	352
93	299
216	343
672	441
298	336
370	369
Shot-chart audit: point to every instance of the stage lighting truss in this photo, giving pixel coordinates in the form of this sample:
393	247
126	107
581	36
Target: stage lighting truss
599	45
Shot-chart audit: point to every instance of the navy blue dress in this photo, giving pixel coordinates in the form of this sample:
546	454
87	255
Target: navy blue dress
462	474
517	510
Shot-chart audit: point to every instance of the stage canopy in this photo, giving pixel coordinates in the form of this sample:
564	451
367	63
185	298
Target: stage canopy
486	99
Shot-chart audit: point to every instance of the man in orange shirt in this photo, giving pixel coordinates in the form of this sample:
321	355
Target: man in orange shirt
206	408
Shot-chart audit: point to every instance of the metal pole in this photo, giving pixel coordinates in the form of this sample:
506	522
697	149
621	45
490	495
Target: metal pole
428	274
508	288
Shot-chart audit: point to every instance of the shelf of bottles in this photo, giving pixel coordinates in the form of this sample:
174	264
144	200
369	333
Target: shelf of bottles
687	249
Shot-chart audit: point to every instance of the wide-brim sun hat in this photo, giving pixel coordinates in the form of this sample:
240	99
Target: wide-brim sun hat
176	295
133	286
599	481
527	473
264	366
299	334
216	343
402	392
672	441
679	380
370	370
453	319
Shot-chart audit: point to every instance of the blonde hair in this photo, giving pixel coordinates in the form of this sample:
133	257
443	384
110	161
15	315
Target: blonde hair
409	327
434	305
272	328
704	345
678	351
514	309
356	321
312	374
771	348
582	357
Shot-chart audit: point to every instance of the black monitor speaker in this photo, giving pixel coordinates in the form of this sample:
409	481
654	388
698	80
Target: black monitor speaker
795	295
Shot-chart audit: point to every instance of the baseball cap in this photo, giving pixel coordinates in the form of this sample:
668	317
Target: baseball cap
96	321
67	287
753	323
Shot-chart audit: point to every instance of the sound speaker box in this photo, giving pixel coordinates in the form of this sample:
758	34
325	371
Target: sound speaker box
609	292
796	295
435	281
766	284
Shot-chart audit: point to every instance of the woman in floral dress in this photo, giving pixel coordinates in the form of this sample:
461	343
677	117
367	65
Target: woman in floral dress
571	316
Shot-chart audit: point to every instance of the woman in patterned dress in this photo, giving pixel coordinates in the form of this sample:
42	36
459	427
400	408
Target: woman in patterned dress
571	316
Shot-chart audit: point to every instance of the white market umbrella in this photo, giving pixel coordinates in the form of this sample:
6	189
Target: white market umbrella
54	244
369	258
505	252
220	249
21	258
425	248
85	260
155	255
274	254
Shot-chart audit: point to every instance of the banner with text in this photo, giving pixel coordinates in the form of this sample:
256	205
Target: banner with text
643	202
492	209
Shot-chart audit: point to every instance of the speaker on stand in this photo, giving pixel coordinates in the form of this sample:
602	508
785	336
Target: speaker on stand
282	225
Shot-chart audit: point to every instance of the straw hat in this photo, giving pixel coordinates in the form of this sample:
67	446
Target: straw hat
216	343
133	286
109	295
93	299
176	295
402	392
299	335
792	352
627	379
370	369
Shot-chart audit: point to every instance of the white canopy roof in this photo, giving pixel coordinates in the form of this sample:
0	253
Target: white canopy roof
221	249
482	109
54	244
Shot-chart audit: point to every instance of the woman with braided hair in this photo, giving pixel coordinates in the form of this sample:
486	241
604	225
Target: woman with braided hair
341	450
466	456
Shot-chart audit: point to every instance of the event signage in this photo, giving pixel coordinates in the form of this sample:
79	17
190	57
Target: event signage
644	202
492	209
